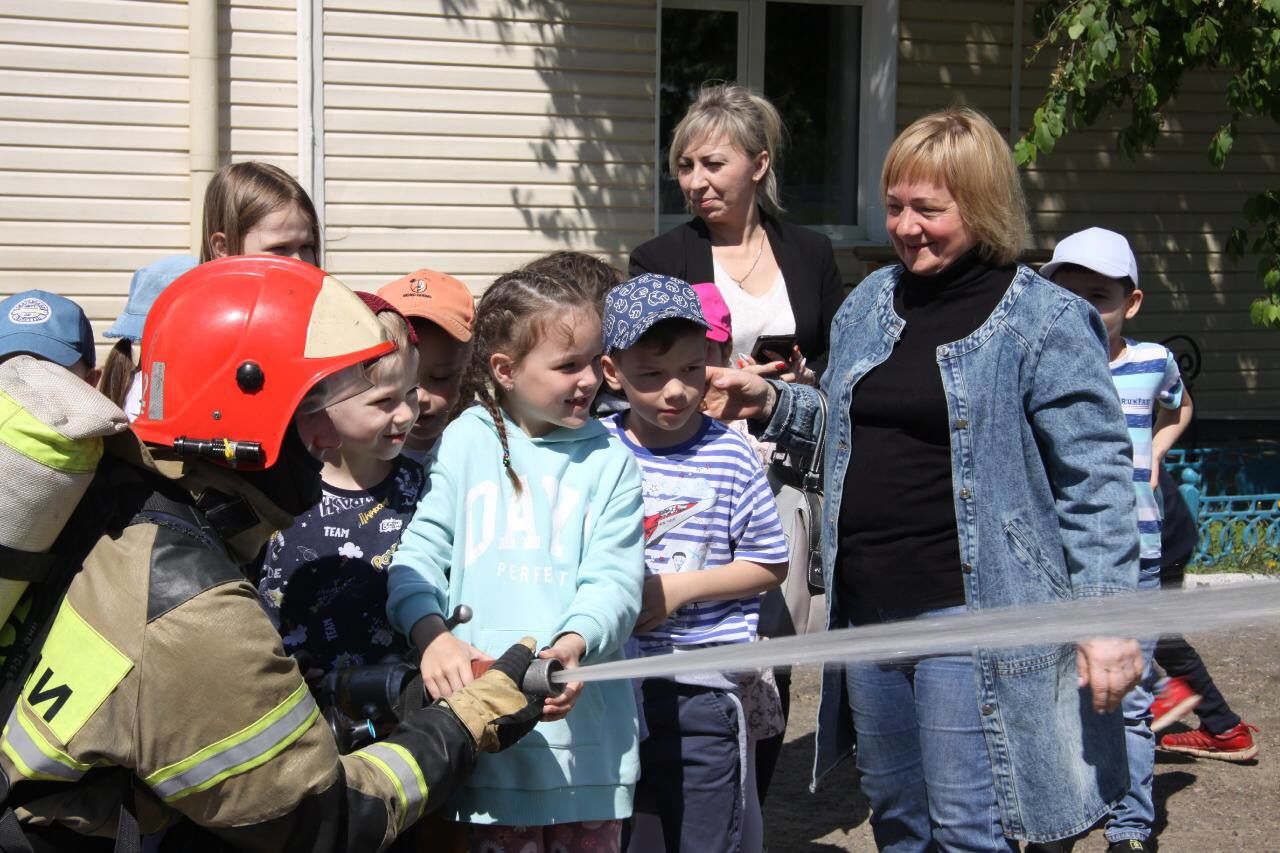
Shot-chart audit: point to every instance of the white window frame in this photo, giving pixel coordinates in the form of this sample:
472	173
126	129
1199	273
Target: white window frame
876	101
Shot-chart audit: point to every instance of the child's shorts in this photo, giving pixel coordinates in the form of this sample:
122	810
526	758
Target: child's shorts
691	771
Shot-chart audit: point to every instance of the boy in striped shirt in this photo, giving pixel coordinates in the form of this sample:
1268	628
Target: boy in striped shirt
713	543
1098	266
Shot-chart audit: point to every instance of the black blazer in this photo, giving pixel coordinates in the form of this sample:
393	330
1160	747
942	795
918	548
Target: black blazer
805	257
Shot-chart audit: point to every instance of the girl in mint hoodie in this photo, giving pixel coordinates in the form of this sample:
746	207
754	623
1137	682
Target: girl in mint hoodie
533	517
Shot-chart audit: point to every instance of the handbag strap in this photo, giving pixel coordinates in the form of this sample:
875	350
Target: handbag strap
808	478
813	473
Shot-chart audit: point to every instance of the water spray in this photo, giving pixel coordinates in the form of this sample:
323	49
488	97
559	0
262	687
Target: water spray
1135	615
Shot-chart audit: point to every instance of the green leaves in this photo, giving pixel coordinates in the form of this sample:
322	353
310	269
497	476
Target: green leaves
1266	313
1115	52
1220	145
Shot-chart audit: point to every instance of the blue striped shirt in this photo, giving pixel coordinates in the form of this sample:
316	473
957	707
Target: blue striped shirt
1146	375
706	503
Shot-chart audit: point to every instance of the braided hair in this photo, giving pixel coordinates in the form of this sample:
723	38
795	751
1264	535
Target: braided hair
517	311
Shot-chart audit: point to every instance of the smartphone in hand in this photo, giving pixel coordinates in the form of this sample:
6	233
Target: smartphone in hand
780	345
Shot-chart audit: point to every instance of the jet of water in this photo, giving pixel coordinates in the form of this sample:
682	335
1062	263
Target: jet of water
1143	614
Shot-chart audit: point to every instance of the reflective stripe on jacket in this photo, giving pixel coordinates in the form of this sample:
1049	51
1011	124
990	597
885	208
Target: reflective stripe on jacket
161	662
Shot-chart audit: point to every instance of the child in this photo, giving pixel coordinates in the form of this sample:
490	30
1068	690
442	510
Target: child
49	327
715	311
255	208
324	580
532	517
52	426
121	382
597	277
1098	266
1189	686
713	543
441	310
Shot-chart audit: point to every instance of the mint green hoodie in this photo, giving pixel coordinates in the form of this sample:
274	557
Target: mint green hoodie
565	555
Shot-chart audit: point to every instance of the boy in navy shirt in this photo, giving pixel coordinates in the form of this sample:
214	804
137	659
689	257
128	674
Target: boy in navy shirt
324	580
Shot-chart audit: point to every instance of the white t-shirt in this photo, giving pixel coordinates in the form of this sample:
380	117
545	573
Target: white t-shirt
133	397
754	316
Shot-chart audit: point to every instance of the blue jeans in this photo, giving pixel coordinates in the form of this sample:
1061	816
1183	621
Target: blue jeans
922	755
1134	815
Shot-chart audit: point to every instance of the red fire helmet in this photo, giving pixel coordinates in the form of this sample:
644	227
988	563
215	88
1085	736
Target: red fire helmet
232	349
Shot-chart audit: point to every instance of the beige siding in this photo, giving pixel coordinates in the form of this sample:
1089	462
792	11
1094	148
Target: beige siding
473	137
1176	209
93	145
258	104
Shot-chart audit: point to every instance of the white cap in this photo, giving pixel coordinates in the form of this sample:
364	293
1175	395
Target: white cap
1095	249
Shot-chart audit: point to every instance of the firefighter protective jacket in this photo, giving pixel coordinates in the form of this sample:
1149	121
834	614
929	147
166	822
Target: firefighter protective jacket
161	673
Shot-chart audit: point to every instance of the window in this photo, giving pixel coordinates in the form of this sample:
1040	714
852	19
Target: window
829	66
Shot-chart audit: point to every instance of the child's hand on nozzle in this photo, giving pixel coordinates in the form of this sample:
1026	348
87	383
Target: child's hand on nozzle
446	660
568	649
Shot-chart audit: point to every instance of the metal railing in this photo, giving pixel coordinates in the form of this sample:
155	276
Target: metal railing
1234	494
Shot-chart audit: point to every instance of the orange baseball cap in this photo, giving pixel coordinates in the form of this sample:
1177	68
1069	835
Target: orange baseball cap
433	296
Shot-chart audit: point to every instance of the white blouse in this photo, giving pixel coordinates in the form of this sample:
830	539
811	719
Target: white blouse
753	316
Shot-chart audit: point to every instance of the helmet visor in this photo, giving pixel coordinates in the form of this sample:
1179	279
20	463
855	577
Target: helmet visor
336	387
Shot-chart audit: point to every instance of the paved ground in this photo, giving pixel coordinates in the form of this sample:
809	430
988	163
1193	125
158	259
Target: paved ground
1201	805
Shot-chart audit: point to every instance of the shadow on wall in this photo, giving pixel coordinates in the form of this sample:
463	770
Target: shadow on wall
1176	209
597	66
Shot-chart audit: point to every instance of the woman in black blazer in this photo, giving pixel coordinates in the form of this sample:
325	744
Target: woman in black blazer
722	154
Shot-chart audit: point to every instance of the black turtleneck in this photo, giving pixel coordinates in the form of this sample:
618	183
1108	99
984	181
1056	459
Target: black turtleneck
898	544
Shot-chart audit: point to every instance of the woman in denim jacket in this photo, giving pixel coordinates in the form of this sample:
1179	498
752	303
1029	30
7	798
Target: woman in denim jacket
977	458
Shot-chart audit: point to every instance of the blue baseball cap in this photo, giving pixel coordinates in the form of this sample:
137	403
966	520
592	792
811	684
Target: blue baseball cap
46	325
147	284
634	306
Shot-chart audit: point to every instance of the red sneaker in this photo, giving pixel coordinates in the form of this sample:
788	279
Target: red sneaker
1175	700
1235	744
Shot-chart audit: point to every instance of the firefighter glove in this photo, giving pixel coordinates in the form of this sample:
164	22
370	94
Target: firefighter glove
493	708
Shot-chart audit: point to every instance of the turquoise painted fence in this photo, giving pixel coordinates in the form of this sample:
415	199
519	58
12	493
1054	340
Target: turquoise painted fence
1234	493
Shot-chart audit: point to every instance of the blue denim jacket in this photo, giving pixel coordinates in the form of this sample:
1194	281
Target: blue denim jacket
1042	475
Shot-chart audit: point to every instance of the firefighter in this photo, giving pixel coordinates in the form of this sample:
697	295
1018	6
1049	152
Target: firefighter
162	701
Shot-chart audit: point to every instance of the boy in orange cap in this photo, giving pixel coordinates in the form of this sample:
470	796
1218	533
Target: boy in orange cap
441	310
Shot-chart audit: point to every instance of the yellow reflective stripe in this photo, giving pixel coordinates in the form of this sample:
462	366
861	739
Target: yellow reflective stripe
34	756
251	747
410	783
398	765
401	795
39	442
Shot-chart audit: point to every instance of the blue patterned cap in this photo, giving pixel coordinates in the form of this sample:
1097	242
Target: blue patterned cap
634	306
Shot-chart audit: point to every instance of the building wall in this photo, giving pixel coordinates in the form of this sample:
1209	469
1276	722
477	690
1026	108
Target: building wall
473	136
1176	208
258	70
93	145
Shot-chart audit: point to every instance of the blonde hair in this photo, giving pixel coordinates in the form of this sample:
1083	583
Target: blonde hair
959	148
396	328
243	194
749	120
